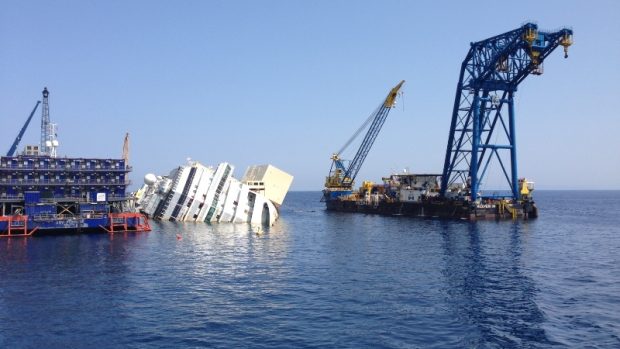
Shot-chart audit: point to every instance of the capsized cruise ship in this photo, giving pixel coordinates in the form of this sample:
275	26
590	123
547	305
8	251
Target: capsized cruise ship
197	193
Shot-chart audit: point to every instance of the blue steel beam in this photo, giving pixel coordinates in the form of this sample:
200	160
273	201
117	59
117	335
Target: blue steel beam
22	131
356	164
489	77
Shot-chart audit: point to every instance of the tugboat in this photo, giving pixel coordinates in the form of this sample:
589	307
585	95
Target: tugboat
43	193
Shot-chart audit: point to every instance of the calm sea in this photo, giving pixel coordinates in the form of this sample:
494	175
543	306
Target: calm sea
319	279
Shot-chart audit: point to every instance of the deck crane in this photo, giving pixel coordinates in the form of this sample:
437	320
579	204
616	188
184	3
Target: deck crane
13	148
341	175
484	105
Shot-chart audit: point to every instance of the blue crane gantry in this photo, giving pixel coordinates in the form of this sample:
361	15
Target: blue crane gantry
490	74
341	176
22	131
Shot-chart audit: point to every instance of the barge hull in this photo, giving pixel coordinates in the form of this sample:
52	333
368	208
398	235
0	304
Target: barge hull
23	225
438	209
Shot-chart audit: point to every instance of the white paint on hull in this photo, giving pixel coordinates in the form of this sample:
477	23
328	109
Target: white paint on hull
209	195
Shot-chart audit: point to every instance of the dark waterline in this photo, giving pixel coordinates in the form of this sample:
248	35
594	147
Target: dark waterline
320	279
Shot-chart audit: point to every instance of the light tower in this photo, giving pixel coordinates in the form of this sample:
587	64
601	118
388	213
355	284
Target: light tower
45	121
49	143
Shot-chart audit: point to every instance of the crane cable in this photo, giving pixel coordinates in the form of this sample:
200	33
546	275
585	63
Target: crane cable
359	130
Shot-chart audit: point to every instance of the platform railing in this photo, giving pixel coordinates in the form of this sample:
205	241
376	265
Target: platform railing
120	223
65	168
64	217
62	198
16	226
81	199
66	182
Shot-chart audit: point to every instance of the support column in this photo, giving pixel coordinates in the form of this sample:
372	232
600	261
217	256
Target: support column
473	167
513	148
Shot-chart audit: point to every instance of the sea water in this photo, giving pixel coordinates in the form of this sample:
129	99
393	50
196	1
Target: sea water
323	279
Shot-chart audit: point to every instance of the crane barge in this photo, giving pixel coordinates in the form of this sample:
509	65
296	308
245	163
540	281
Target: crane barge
482	132
339	182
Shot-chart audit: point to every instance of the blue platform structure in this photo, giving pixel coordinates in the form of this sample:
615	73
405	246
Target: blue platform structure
483	118
63	178
40	191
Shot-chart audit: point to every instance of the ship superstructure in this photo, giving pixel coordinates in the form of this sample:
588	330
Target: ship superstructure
197	193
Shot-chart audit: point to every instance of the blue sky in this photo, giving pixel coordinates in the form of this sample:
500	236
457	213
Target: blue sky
287	82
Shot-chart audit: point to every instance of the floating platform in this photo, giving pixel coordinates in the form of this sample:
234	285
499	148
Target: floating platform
42	194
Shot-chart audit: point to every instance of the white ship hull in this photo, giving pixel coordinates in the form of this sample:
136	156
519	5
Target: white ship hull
196	193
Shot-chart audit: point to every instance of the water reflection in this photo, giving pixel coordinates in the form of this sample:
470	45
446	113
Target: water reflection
56	279
13	251
488	289
218	262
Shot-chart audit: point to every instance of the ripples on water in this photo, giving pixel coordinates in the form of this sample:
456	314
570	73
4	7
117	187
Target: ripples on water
319	279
